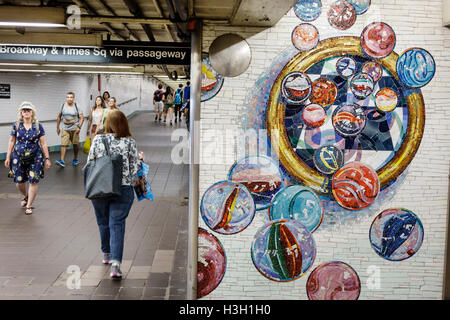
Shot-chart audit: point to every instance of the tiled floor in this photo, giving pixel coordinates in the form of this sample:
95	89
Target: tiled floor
56	250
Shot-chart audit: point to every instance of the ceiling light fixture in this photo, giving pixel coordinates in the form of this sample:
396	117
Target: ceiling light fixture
31	24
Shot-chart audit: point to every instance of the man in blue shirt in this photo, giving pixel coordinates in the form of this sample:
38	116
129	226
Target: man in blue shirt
186	102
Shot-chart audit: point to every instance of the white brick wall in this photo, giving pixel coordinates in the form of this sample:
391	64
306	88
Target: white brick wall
424	190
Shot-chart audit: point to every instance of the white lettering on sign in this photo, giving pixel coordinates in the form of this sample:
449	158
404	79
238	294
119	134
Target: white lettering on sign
119	54
24	50
155	54
99	52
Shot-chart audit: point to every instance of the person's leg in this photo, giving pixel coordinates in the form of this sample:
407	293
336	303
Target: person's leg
65	142
75	150
118	212
63	153
76	142
165	113
23	190
171	114
32	192
101	209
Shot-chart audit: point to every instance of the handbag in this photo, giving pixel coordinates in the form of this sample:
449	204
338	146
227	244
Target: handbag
87	145
140	183
27	160
103	176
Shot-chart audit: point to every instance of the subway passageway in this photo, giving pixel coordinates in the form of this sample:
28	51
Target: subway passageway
41	254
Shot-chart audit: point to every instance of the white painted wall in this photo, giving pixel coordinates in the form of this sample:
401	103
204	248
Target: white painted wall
417	24
47	91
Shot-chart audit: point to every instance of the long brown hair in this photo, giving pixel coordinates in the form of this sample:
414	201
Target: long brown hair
117	123
102	105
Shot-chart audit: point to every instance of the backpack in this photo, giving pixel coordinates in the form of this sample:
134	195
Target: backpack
169	98
76	108
158	95
177	96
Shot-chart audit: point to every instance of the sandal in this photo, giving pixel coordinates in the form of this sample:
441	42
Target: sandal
29	211
24	202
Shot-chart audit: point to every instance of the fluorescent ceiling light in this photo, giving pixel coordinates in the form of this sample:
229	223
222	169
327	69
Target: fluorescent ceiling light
86	66
31	24
19	64
26	70
106	72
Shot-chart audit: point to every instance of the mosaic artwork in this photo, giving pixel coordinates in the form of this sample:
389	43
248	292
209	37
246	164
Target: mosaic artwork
362	85
262	177
283	250
355	186
386	100
346	67
211	263
324	92
349	119
328	159
296	87
308	10
227	207
212	82
373	69
305	37
334	280
378	40
297	203
396	234
344	118
361	6
342	15
415	67
314	115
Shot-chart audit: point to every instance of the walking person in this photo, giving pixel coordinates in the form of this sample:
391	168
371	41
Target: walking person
178	101
168	104
72	122
186	102
27	154
106	97
95	123
158	102
112	212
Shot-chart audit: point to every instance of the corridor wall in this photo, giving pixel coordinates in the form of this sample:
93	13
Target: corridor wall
343	235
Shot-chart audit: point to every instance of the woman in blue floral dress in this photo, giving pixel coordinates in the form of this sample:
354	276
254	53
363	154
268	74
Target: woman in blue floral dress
27	154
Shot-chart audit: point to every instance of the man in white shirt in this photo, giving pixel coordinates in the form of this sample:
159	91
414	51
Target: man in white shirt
72	122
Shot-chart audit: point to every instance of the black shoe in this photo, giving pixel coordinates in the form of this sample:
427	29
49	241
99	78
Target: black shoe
170	122
156	118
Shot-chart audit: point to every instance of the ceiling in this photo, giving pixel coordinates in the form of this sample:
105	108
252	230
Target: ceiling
141	20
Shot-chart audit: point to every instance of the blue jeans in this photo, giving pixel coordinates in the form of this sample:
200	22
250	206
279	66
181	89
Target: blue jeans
111	214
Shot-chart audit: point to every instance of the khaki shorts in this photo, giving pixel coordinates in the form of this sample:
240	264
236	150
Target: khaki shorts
159	106
69	137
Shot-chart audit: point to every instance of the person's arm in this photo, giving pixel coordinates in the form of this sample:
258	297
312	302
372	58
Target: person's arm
80	124
58	120
11	143
154	93
44	147
133	158
89	122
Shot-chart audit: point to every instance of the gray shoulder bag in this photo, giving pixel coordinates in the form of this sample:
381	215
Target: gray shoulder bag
103	176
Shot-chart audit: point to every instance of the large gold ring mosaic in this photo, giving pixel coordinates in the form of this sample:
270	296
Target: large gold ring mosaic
294	165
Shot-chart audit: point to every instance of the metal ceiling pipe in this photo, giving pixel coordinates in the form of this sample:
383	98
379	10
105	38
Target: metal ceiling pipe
89	9
194	156
137	12
107	7
180	23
